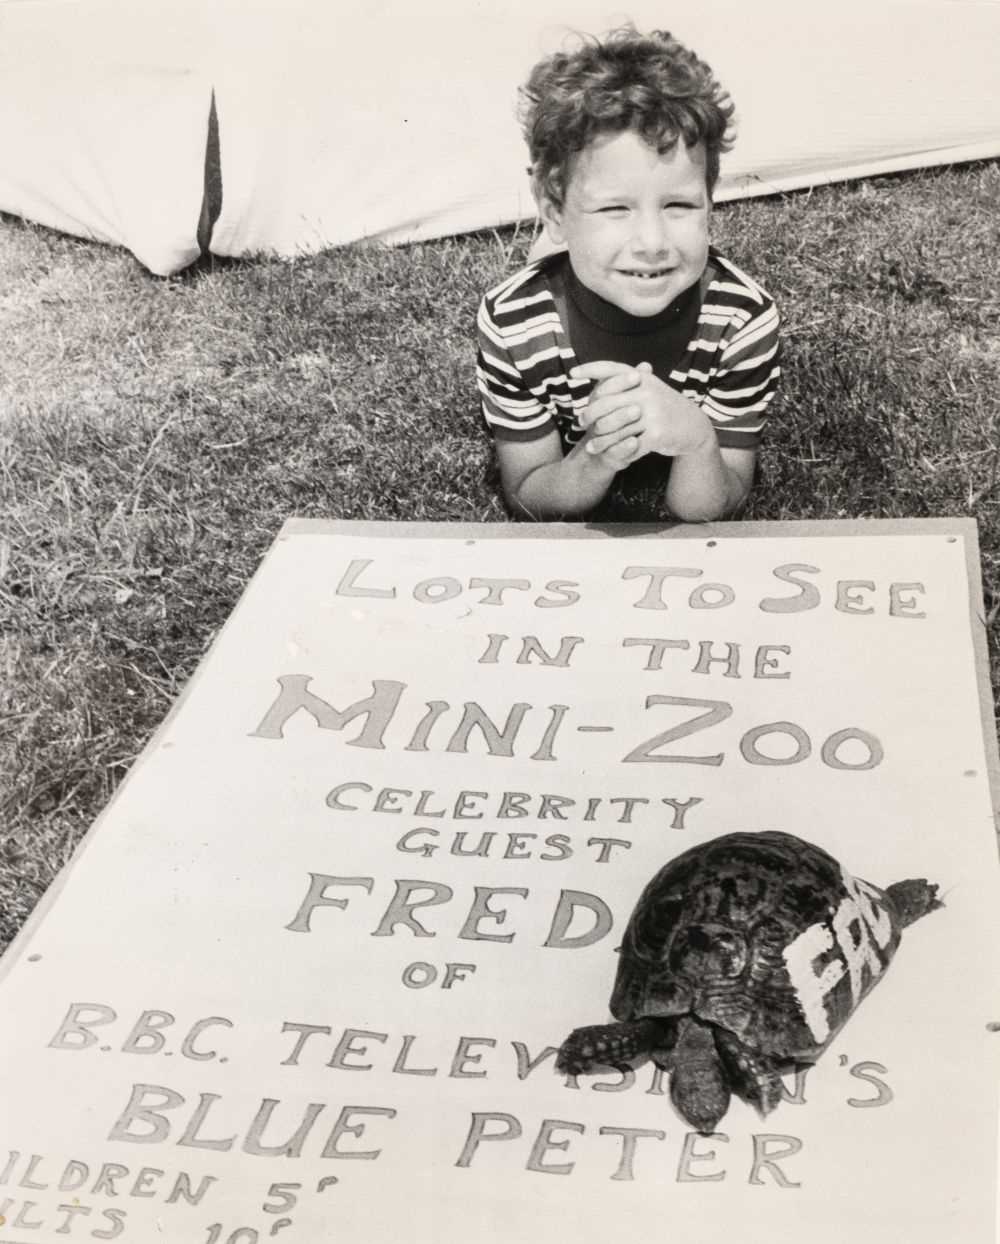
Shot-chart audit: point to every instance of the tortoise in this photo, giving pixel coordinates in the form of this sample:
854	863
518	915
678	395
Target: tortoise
743	959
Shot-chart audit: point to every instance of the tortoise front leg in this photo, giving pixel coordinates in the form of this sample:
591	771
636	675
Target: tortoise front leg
613	1045
753	1076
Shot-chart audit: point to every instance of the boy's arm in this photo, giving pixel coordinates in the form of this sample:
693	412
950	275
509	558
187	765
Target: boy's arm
706	481
741	390
540	482
714	483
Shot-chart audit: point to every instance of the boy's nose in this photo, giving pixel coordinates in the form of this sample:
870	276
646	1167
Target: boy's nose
650	236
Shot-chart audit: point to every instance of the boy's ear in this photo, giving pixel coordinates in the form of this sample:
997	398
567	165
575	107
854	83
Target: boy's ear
551	217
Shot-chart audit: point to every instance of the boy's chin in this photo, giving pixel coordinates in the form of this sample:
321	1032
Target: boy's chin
642	306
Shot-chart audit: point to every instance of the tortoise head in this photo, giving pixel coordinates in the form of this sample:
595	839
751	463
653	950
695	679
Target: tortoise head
699	1088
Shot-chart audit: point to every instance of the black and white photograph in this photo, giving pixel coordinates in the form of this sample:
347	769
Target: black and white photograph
499	595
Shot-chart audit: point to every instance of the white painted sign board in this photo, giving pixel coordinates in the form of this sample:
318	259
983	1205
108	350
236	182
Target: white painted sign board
306	978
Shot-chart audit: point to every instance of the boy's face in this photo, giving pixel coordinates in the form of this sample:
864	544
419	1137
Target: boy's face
635	223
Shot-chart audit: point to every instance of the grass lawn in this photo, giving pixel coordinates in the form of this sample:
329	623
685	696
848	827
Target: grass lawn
154	434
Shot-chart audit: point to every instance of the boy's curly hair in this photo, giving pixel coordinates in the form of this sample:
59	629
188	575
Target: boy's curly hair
650	83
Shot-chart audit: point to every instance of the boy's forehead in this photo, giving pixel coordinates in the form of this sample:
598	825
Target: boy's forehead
622	157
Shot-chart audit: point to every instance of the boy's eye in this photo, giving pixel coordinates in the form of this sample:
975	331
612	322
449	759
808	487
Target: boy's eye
613	207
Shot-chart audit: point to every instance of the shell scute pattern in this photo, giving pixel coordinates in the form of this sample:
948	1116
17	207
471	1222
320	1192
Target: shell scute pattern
722	916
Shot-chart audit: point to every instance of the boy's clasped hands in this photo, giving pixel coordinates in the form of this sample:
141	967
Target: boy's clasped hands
632	413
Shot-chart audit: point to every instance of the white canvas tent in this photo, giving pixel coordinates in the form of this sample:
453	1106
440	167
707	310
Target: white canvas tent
382	119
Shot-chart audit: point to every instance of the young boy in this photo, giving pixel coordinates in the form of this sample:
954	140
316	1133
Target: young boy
637	340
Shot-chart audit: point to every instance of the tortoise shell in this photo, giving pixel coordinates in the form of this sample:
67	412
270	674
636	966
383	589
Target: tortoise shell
764	935
742	959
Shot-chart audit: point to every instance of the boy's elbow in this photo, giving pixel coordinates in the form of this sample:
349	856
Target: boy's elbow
534	497
519	507
540	511
708	510
698	513
708	505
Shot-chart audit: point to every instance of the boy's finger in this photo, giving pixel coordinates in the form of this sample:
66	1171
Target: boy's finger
600	443
606	404
619	417
603	369
620	383
625	452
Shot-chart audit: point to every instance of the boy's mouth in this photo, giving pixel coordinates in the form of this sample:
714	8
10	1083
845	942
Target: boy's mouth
644	274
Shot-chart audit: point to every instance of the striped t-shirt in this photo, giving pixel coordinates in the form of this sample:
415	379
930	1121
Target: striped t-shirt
730	366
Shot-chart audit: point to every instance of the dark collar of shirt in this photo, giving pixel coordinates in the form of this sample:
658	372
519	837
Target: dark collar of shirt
598	330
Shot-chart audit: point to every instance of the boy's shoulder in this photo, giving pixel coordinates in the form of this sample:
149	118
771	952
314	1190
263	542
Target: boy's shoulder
526	290
727	281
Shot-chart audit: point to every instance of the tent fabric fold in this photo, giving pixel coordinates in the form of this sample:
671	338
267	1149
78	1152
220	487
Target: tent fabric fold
245	126
211	202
